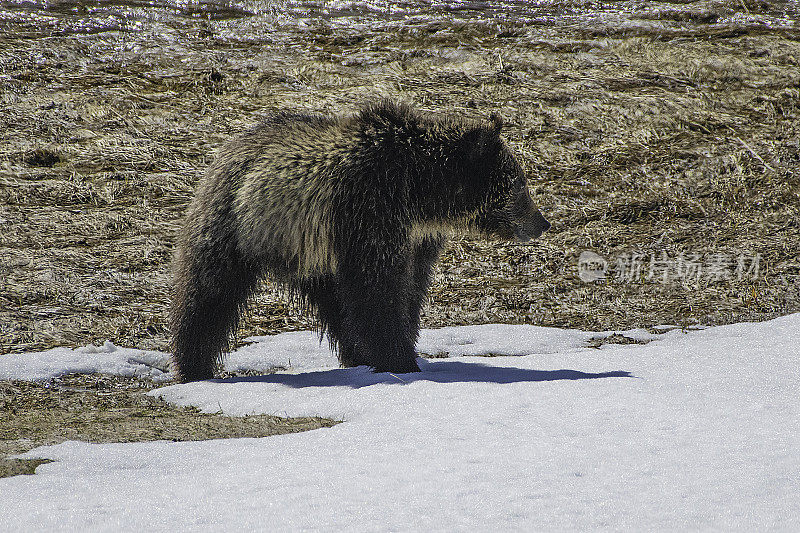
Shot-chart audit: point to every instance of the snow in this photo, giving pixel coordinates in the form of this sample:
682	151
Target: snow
299	350
108	359
695	430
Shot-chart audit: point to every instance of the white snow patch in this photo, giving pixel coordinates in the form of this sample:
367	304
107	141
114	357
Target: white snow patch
298	350
107	359
696	430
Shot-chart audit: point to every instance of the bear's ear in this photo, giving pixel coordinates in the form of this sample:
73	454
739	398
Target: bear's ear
481	137
479	145
496	121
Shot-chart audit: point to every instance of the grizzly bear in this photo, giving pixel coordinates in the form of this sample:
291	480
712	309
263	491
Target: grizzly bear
348	212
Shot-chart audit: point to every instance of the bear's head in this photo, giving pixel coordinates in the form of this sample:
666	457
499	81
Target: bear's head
507	210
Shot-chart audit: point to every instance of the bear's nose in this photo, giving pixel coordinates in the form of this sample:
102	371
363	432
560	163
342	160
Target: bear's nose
536	224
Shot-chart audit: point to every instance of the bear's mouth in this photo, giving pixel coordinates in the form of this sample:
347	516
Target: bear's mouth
531	227
522	237
525	235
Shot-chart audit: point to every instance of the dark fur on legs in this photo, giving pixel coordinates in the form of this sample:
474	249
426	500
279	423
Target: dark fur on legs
371	329
211	292
425	255
322	295
213	282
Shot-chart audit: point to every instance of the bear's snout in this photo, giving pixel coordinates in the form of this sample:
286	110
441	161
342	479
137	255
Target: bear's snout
531	226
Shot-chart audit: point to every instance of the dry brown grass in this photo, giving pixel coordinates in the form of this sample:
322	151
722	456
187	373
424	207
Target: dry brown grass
682	139
99	409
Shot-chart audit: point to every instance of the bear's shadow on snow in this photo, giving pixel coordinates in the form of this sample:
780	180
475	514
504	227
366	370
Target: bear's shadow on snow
437	372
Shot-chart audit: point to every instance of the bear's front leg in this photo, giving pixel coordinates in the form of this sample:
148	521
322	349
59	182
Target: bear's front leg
377	323
424	256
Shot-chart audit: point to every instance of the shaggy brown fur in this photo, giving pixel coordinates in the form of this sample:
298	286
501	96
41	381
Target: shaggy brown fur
349	212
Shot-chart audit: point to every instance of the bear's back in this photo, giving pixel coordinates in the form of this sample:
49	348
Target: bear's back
290	173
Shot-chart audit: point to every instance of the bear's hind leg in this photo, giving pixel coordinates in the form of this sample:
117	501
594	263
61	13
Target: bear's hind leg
322	293
212	286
